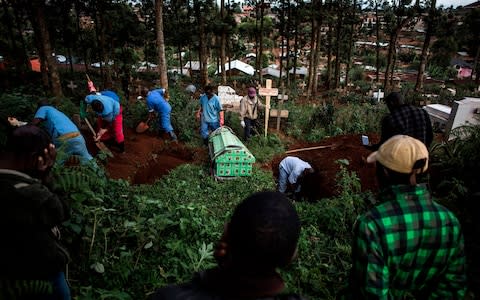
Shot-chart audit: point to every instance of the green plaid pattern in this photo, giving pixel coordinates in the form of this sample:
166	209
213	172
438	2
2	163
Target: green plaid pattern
408	245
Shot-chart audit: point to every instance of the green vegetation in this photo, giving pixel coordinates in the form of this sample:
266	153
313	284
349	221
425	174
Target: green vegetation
144	237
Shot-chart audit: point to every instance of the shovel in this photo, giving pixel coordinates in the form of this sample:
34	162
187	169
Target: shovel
99	144
142	127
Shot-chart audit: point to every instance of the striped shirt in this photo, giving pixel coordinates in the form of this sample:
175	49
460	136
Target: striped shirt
408	245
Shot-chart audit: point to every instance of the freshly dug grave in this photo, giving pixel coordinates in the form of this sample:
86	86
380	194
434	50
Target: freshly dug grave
324	183
147	158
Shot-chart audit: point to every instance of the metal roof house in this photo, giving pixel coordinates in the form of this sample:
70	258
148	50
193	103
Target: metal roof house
237	67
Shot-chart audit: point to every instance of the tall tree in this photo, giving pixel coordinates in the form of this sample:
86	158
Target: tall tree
339	29
223	42
17	53
351	38
471	38
43	36
397	16
431	23
315	39
162	61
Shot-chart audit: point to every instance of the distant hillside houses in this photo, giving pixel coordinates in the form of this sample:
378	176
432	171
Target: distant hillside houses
237	67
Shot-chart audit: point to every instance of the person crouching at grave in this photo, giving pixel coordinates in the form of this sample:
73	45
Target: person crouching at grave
292	173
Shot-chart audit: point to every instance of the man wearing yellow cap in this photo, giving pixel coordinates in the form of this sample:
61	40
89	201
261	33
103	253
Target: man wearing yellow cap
408	244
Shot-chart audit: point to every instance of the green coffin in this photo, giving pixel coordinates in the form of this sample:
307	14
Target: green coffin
229	156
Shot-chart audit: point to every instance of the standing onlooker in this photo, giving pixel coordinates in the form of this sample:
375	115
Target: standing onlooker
157	101
110	119
408	244
249	106
293	170
405	119
63	131
210	113
261	236
32	261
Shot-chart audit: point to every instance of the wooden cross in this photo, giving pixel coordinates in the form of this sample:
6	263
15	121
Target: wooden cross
72	85
268	92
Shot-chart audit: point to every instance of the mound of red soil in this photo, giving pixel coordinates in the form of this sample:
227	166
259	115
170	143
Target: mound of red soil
147	158
324	183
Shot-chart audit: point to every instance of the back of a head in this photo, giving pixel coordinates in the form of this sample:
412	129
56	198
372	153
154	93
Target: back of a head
28	140
43	102
208	89
394	100
403	156
97	106
263	232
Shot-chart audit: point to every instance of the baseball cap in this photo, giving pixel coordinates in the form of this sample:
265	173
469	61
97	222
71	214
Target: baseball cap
252	92
401	153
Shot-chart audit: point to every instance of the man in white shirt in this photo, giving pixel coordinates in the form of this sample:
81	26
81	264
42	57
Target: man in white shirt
292	170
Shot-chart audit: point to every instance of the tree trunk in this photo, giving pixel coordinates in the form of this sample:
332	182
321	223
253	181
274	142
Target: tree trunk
282	43
202	51
259	61
338	34
295	50
425	49
16	58
351	41
38	7
475	66
162	61
311	67
377	48
392	48
223	41
317	57
329	53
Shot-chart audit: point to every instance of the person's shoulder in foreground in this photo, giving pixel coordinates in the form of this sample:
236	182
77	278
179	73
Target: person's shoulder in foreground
261	236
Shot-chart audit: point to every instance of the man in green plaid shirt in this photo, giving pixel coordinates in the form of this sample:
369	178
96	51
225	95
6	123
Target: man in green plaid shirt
408	245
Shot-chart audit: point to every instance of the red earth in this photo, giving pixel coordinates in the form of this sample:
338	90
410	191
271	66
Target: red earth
324	183
148	158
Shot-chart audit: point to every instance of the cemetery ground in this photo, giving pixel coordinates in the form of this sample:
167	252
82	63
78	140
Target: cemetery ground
148	159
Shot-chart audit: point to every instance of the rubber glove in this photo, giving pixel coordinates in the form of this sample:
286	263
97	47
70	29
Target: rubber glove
222	118
242	123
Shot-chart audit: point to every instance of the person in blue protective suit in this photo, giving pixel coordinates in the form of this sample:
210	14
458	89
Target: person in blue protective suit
111	94
63	132
210	113
157	102
110	120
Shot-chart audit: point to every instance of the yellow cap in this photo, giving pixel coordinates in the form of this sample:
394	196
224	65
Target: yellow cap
400	153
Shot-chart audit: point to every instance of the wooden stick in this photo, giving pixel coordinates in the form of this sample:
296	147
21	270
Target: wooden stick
309	148
99	144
